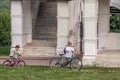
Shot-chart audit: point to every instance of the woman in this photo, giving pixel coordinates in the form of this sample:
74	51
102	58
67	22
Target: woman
69	50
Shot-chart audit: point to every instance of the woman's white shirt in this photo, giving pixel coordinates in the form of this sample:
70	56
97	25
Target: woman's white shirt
69	51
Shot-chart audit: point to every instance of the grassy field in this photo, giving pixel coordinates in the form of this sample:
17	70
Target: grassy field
4	51
45	73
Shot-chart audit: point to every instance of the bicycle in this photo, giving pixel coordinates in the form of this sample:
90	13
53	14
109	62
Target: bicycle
75	63
14	62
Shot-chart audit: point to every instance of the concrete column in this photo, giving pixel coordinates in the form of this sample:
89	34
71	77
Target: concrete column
27	21
77	20
90	31
16	22
71	21
62	24
103	25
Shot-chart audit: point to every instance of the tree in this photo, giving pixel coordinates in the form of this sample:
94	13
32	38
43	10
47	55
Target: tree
5	23
4	5
5	28
114	20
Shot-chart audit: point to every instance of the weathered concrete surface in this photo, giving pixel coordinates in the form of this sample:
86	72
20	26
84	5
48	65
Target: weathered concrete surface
108	58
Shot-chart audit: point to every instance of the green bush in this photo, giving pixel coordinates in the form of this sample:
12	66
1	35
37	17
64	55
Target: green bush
5	24
4	5
4	51
114	19
5	28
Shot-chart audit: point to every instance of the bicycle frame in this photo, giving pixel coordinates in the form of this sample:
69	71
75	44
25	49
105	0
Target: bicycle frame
67	62
62	62
13	62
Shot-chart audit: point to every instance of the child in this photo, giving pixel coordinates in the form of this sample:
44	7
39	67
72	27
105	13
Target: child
15	53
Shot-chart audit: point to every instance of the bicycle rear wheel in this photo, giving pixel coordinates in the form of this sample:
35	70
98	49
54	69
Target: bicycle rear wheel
54	62
21	63
6	63
76	63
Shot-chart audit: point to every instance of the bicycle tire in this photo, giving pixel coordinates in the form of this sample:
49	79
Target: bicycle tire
54	62
21	63
76	63
6	63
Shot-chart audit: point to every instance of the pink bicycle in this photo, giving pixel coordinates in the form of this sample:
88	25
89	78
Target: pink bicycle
14	62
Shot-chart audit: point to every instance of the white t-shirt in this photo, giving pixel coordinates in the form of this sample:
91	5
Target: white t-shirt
69	51
15	53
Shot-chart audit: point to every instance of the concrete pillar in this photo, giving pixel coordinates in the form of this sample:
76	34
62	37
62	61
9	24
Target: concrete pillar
62	24
90	31
16	22
77	20
27	21
103	25
71	21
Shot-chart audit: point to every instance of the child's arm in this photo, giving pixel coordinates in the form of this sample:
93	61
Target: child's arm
11	53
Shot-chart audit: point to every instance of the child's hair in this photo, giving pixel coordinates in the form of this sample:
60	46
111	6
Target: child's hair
17	46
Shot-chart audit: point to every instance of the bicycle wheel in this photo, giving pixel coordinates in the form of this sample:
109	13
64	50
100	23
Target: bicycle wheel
6	63
54	62
21	63
76	63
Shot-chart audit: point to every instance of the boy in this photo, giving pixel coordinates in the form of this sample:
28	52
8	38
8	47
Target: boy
15	53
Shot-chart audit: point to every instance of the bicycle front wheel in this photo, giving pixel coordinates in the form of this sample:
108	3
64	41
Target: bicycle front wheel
21	63
76	64
54	62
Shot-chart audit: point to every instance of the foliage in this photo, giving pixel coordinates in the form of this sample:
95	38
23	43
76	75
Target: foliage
4	5
115	23
114	10
115	20
45	73
4	51
5	22
5	28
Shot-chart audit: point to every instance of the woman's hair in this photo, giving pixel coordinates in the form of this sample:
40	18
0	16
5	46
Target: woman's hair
69	43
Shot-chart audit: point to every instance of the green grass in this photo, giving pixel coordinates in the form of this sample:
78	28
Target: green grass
4	51
45	73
